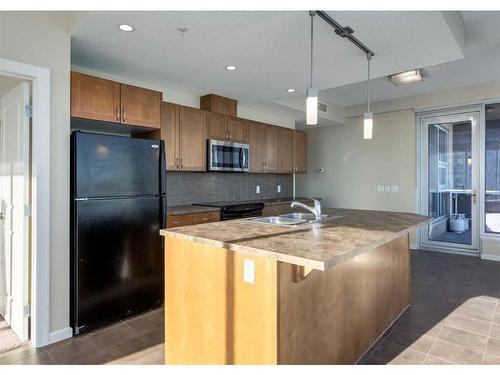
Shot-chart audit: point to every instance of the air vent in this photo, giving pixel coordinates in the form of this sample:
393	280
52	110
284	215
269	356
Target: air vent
322	107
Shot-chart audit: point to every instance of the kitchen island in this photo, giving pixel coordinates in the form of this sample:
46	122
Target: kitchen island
242	292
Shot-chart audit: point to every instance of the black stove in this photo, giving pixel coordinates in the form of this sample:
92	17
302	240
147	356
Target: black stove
236	210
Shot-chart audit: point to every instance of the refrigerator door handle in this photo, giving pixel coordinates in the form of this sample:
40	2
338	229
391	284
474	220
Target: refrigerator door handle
163	168
163	212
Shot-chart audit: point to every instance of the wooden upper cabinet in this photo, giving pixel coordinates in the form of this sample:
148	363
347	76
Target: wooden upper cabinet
192	139
170	133
256	135
270	149
217	126
94	98
300	152
219	104
285	150
140	106
236	129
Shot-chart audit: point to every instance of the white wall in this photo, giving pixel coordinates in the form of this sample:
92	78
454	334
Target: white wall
42	39
353	167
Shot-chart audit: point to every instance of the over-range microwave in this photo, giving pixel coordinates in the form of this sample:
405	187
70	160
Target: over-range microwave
227	156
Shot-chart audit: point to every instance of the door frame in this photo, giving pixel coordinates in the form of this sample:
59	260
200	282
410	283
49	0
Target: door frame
40	198
422	177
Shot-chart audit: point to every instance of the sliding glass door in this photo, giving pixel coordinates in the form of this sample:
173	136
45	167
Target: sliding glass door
449	174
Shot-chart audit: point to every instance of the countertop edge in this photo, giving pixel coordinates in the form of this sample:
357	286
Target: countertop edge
291	259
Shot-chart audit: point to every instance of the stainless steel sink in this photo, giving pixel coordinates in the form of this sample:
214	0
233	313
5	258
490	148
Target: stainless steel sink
278	220
309	217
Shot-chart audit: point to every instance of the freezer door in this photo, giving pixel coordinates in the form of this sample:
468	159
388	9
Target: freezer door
114	166
117	260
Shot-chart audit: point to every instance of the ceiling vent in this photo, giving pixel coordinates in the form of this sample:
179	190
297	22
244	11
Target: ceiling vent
323	107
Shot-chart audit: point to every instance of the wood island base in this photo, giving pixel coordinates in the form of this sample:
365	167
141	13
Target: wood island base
289	315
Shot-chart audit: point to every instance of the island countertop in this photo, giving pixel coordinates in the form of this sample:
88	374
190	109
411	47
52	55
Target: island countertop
319	246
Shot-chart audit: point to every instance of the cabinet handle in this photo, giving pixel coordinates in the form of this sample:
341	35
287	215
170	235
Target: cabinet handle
204	218
176	163
182	166
124	114
176	222
296	168
117	114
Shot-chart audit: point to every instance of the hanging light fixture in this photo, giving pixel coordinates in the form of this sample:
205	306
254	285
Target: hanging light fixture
368	118
312	93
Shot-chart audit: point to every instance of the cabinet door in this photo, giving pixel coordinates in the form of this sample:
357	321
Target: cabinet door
270	149
300	152
256	139
217	126
140	106
236	129
170	133
94	98
192	139
285	150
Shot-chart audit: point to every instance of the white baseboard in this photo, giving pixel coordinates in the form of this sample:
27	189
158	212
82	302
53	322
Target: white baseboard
490	257
62	334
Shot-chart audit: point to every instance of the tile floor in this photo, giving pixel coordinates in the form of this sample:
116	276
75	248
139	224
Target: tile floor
454	319
137	340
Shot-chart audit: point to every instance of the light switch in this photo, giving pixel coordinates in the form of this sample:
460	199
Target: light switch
257	189
278	188
380	188
249	271
387	188
394	188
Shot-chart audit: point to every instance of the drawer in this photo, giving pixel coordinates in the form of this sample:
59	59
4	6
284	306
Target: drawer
206	217
179	220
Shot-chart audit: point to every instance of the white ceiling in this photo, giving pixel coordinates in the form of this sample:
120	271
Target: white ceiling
271	50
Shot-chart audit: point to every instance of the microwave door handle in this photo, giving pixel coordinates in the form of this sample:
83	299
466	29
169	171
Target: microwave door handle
242	158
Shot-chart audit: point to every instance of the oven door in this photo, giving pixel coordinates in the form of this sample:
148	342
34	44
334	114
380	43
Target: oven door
227	156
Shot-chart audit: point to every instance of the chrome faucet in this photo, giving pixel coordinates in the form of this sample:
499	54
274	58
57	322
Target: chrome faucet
316	210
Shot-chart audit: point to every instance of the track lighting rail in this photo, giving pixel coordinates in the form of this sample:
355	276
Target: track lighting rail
344	32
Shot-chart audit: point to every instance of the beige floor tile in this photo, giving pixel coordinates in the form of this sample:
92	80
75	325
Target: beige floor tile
17	354
113	335
40	358
75	350
456	353
495	331
479	303
459	336
471	312
472	325
156	357
493	347
408	357
430	360
490	359
496	318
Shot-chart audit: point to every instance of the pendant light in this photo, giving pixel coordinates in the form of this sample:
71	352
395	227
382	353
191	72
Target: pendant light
368	118
312	93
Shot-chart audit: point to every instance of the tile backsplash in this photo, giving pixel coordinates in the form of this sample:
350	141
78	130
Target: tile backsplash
196	187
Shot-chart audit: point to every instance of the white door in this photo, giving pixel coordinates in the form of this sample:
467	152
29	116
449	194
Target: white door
14	201
449	168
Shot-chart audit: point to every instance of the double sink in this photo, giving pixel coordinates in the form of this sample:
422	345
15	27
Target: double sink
294	218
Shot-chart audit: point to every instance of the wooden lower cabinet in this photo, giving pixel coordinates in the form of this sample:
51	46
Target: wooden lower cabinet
289	315
191	219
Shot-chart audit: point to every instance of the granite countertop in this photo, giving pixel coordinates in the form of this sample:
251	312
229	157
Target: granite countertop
319	246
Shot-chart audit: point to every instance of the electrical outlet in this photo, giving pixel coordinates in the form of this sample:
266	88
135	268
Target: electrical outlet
394	188
278	188
257	189
387	188
249	271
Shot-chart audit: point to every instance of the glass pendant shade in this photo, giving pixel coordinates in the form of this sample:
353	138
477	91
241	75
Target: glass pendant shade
312	107
368	126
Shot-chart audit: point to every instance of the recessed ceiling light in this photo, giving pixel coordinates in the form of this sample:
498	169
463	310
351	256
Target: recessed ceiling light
231	67
290	90
125	27
410	76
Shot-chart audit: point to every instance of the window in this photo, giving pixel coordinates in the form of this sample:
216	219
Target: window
492	169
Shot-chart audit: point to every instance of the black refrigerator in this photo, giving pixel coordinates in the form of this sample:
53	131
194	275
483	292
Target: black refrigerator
118	206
